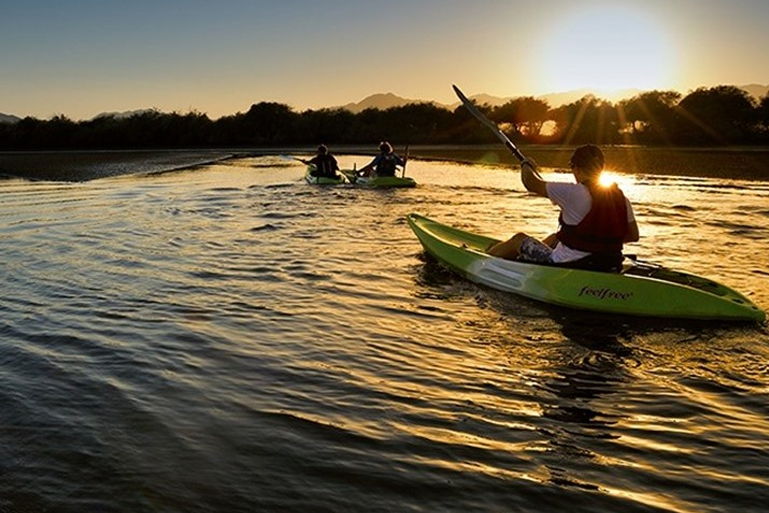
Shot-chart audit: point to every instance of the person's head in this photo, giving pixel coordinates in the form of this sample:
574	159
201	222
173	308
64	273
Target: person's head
322	149
385	147
587	161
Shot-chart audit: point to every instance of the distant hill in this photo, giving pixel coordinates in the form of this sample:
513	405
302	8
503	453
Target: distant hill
756	90
383	101
7	118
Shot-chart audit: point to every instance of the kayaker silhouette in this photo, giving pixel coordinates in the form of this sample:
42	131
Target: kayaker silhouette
326	165
595	220
383	164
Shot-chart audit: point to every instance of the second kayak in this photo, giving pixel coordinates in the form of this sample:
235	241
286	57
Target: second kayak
379	181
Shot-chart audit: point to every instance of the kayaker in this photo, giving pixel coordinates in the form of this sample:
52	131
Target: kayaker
595	220
383	164
325	163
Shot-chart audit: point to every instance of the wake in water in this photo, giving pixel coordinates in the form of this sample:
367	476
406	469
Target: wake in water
76	166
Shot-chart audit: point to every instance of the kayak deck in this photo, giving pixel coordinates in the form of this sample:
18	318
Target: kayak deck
379	181
639	290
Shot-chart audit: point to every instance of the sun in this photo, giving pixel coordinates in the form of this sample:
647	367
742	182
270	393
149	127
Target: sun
605	50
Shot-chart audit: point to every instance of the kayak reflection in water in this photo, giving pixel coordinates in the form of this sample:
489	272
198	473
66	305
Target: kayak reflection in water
325	163
383	164
595	220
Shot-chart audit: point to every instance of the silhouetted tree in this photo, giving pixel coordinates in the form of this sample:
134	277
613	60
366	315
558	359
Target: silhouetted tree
268	123
317	126
649	116
723	114
524	115
419	122
586	120
466	129
762	116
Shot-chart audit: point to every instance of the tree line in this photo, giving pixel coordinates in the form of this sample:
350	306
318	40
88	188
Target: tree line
722	115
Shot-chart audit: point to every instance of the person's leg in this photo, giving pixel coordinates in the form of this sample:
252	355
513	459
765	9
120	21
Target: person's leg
523	246
508	249
551	240
534	250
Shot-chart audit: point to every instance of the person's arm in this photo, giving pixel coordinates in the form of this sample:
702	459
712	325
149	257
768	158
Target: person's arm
531	179
370	165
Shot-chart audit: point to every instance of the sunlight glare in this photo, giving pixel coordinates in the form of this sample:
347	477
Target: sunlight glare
606	50
625	182
607	178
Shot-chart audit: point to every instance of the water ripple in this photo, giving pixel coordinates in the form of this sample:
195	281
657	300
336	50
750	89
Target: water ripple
229	338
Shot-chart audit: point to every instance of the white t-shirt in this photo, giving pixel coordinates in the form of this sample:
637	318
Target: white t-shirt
575	201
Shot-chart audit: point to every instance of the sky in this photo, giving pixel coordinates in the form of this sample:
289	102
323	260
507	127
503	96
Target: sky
80	58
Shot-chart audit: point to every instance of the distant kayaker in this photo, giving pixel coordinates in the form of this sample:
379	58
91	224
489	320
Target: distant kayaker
595	220
383	164
325	163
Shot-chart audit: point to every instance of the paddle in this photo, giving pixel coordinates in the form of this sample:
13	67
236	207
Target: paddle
489	124
289	157
405	161
303	161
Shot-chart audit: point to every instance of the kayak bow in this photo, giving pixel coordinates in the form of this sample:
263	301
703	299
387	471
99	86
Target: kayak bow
639	290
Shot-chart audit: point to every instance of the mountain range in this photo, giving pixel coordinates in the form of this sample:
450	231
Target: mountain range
384	101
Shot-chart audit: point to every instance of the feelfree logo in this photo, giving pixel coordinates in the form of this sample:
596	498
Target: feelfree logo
604	293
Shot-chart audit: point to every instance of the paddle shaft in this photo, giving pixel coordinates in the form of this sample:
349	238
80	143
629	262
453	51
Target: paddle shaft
489	124
405	160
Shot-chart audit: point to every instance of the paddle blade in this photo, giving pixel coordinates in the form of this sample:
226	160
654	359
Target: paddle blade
488	124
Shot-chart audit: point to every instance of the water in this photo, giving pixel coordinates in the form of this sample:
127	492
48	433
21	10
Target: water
228	338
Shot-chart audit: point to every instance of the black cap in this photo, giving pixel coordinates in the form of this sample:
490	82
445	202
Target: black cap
588	158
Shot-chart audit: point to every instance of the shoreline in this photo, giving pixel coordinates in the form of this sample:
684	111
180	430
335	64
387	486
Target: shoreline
739	163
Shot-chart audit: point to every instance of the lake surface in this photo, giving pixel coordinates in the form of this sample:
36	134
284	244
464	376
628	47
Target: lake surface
228	338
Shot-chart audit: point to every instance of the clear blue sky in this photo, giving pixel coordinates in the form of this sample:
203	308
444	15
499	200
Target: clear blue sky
79	58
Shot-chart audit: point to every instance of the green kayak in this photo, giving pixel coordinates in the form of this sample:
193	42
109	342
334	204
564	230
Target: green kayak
640	289
323	180
379	181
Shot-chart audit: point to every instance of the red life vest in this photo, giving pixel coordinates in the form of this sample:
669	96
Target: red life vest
604	228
